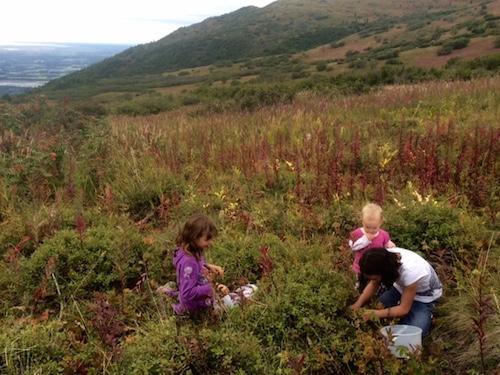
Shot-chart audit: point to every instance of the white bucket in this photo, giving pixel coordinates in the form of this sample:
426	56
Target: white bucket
403	339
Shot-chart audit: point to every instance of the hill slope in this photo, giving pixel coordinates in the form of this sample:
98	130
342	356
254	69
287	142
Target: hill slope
341	35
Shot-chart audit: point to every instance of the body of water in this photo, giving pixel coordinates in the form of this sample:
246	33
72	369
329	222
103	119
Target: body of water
24	66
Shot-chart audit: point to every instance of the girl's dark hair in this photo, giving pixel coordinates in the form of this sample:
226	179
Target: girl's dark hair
380	261
195	227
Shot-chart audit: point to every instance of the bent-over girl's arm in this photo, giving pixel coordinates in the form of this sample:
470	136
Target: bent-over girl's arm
407	298
368	293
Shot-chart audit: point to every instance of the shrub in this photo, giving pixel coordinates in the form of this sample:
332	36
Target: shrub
459	43
78	264
496	43
337	44
321	66
34	348
386	55
358	64
302	300
150	105
453	44
393	61
445	50
351	53
171	347
91	108
433	227
254	97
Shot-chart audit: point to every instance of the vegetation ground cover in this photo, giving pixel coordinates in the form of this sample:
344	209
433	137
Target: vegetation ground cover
90	207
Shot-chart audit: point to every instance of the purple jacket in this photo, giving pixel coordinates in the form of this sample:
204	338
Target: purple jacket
195	292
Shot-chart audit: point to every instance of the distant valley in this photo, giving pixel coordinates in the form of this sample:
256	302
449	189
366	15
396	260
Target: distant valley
26	66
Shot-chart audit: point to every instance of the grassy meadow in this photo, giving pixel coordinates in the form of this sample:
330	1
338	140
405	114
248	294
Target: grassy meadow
90	208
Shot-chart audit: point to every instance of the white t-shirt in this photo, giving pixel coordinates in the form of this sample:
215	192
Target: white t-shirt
414	269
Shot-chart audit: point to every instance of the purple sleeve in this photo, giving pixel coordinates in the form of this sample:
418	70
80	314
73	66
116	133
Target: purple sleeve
193	290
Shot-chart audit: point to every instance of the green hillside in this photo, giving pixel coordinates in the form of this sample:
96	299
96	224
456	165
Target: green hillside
290	40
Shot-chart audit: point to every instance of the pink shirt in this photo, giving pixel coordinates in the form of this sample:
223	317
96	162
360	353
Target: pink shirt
362	244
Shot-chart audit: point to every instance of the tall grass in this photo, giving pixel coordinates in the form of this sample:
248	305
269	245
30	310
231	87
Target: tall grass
442	137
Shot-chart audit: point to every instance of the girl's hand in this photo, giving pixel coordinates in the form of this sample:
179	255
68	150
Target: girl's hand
216	269
362	313
368	315
222	288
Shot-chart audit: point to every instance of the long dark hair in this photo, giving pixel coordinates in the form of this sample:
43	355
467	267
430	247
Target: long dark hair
195	227
380	261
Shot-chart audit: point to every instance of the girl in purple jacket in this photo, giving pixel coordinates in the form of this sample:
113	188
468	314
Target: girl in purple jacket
193	273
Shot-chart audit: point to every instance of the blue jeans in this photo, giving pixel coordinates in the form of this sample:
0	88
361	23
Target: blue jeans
420	314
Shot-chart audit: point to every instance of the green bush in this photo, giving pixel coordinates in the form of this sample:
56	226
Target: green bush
458	43
496	43
321	66
74	265
433	227
34	348
337	44
450	45
91	108
445	50
150	105
255	97
177	346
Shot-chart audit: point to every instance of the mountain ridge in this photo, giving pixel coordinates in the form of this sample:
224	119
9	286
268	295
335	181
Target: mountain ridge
191	46
339	35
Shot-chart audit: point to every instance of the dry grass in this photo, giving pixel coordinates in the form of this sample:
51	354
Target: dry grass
428	57
494	7
353	43
346	9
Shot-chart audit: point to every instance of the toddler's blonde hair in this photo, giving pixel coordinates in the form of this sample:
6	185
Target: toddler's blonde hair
372	211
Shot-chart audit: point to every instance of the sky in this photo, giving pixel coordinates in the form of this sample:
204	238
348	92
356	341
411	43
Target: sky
130	22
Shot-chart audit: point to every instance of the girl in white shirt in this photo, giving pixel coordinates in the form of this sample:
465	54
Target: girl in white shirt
413	286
